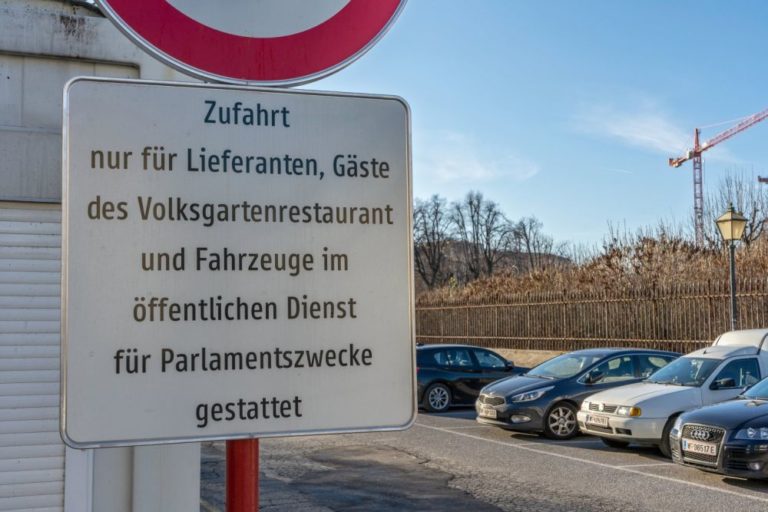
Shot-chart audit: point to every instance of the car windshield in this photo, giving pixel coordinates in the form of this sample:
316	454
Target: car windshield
685	371
565	366
757	392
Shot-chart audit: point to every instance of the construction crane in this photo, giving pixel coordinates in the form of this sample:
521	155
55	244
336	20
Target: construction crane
695	155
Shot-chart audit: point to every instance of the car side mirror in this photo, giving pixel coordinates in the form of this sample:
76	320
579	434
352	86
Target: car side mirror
594	376
724	383
510	366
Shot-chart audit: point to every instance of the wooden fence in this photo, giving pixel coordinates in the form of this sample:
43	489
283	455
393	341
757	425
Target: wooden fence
680	318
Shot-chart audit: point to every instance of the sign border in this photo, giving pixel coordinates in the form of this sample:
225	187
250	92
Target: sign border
65	268
134	36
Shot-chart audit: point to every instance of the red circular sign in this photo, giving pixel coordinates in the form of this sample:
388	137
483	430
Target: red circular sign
214	42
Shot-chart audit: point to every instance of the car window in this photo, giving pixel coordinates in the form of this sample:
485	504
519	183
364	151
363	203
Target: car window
759	391
648	364
615	370
489	360
686	371
744	372
454	358
564	366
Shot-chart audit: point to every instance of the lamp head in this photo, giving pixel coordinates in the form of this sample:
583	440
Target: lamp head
731	224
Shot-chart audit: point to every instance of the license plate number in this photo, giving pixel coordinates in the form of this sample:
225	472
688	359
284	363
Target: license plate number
488	412
699	447
600	421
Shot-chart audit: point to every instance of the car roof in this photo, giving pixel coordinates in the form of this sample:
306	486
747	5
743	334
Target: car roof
612	351
599	352
751	337
724	351
447	345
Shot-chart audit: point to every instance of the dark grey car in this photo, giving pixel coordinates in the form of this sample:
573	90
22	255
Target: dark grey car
546	398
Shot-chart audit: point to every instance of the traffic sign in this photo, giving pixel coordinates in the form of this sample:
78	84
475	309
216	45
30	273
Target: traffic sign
237	263
270	42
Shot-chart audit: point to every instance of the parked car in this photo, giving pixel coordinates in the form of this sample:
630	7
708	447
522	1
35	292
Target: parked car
729	438
546	398
644	413
450	375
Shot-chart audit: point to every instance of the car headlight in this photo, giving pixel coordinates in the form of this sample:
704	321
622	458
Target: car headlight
625	410
529	396
585	405
760	433
676	427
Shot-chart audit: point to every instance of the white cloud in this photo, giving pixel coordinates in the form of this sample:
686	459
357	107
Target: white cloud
457	159
643	126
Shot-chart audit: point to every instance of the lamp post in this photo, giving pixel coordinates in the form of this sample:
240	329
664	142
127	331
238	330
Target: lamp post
731	225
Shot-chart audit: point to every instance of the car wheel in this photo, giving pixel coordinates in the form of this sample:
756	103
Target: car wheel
437	398
664	447
560	422
613	443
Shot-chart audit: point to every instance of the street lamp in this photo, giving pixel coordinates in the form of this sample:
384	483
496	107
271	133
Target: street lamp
731	225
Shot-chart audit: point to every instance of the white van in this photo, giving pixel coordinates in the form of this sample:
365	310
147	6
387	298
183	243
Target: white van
644	413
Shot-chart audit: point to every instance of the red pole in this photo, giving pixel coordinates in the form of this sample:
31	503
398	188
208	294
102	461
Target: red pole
243	475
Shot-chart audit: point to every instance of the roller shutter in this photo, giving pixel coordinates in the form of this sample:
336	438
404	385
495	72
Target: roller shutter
31	451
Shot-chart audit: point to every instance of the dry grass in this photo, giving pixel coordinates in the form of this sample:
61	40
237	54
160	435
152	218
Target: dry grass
644	261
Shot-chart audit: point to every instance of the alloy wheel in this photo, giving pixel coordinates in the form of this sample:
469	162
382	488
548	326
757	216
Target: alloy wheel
438	398
562	421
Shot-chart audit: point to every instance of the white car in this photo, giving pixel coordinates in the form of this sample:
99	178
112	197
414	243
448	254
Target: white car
643	413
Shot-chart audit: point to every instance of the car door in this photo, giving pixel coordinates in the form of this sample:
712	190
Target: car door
492	367
614	372
731	379
460	370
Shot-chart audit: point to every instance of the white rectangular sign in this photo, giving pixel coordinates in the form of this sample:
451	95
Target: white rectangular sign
236	263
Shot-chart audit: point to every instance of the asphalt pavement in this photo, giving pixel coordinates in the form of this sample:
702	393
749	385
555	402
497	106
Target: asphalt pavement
449	463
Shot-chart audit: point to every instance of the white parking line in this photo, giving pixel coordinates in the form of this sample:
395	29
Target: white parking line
529	447
645	465
586	440
460	427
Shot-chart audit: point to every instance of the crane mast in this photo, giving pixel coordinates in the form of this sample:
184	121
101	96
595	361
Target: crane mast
695	155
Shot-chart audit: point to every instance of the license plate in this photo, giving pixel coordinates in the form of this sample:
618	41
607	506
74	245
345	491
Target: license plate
600	421
699	447
488	412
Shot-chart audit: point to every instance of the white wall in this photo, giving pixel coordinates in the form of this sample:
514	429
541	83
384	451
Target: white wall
44	43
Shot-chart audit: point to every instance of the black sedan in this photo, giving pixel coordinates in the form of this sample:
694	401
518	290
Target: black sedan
547	397
454	374
730	438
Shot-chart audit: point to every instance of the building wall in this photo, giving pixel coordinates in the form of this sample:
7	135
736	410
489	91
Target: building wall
43	44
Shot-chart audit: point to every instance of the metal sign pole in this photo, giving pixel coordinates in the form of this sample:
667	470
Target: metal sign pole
243	475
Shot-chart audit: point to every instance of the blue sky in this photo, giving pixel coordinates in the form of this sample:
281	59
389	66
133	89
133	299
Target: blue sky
568	110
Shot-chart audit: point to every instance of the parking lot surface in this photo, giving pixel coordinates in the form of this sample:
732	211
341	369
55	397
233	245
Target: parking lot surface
449	462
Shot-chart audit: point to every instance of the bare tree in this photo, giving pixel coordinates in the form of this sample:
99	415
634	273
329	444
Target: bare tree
747	196
430	237
534	244
482	233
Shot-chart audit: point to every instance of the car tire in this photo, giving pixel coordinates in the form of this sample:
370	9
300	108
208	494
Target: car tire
614	443
664	447
437	398
560	422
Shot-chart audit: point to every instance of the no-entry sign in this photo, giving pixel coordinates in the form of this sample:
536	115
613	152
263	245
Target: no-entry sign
236	263
269	42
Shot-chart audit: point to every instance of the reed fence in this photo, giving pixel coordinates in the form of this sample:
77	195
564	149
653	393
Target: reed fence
681	317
